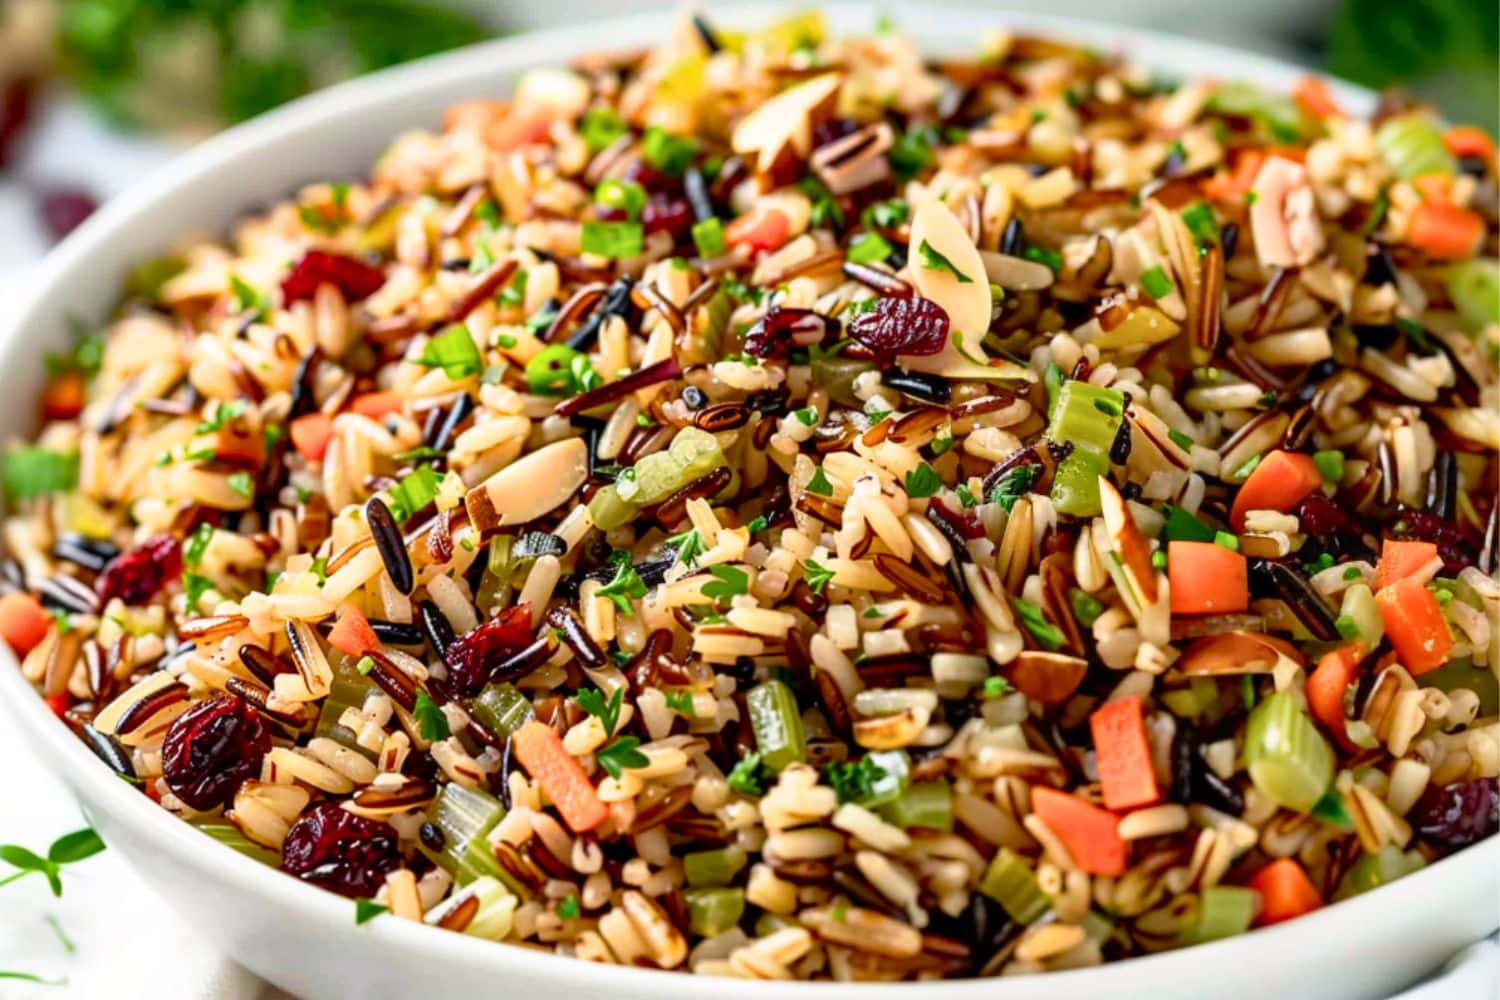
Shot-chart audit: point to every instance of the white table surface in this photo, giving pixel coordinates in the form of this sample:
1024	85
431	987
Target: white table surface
123	934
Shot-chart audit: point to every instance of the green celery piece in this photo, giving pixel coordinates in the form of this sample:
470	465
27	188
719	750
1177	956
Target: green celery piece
895	772
1223	911
348	690
926	805
466	816
714	911
1010	882
693	454
1289	761
1462	673
1087	416
501	709
608	511
1183	527
1075	484
707	869
1372	871
230	836
836	376
777	722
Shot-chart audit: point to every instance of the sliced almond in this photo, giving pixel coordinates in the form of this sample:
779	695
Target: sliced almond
529	487
1049	678
1236	653
783	126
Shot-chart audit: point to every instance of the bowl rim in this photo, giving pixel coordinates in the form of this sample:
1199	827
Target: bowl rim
500	60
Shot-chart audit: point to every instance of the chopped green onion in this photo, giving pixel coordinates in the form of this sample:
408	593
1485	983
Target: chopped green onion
1156	283
714	911
1010	882
615	240
1048	635
706	869
1199	218
1227	540
777	723
600	127
1180	439
1288	760
1050	259
558	370
708	237
1086	608
415	491
671	154
454	352
626	195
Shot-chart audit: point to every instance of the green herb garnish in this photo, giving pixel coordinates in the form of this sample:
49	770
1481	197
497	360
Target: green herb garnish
615	240
454	352
934	261
923	481
68	849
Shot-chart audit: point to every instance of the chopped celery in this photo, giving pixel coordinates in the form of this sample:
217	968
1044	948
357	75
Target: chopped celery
1277	113
1191	701
1412	146
706	869
895	771
495	584
1087	417
1462	673
926	805
693	454
1359	608
496	913
1010	882
714	911
1223	911
777	723
349	690
1183	527
1075	484
1474	287
1372	871
1288	759
608	511
466	816
501	709
836	377
230	836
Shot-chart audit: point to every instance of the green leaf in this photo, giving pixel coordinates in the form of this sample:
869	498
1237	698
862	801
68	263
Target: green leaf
38	472
568	908
244	297
819	483
728	582
366	910
996	687
671	154
868	248
708	237
415	491
1199	218
75	846
680	702
621	754
934	261
853	780
241	483
198	544
606	710
31	977
923	481
23	858
454	352
1050	259
817	576
1012	485
912	151
688	545
886	214
1156	283
223	413
625	587
615	240
1049	636
747	776
432	723
825	208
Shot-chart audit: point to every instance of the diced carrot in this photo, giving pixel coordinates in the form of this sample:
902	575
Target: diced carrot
1205	578
1400	558
1466	140
311	434
1280	482
1415	625
23	622
376	405
1090	834
1285	892
765	230
1434	187
1445	231
352	633
64	397
1316	99
1123	755
541	752
1233	185
1326	686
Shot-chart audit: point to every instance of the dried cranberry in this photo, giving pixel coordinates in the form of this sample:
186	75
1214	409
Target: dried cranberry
339	851
782	328
64	209
476	653
15	114
211	748
354	279
138	575
650	178
1457	550
611	213
902	325
1454	816
667	213
1330	528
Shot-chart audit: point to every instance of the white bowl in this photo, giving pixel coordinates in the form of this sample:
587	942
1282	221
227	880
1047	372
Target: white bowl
306	940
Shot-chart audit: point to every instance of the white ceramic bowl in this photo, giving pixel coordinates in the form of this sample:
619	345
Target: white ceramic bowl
305	940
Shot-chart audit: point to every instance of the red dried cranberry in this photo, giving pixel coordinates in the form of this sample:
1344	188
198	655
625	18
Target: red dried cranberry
667	213
211	748
15	114
475	654
356	280
64	209
902	325
1330	528
1454	816
1457	551
339	851
650	178
781	329
138	575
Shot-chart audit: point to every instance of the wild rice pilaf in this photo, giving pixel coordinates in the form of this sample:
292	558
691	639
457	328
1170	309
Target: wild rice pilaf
776	507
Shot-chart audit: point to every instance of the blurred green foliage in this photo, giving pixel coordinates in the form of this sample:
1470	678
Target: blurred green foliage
201	63
1445	50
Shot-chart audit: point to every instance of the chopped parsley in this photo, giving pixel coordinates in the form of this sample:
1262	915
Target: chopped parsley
1049	636
619	755
886	214
688	545
568	908
923	481
245	298
934	261
912	151
223	414
366	910
817	576
819	483
680	702
727	582
39	472
431	722
1012	485
242	484
626	586
1199	219
1156	282
868	248
1180	439
996	687
826	212
454	352
748	776
606	710
853	780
